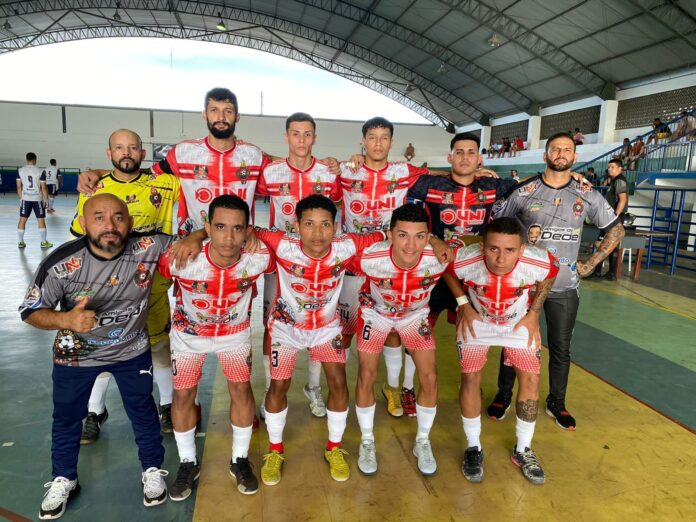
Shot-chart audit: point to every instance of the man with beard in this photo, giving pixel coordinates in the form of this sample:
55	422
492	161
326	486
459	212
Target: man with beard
150	200
559	205
101	327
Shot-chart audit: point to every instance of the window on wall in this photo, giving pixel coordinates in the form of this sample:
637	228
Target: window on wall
587	120
640	112
510	130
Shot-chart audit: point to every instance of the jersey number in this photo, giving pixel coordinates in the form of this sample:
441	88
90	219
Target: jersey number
367	330
274	358
30	179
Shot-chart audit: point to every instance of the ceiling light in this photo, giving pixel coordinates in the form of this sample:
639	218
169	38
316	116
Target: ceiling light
6	26
221	24
441	69
494	41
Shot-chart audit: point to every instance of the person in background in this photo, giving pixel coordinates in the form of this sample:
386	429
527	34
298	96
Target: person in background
578	137
33	197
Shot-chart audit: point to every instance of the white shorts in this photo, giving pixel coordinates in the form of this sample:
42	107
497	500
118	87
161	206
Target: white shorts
414	330
189	353
349	301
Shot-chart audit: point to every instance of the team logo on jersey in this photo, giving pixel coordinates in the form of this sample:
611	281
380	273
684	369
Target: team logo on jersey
557	201
535	207
318	187
243	173
142	244
448	198
199	287
480	290
142	277
85	293
244	283
427	280
519	290
155	197
297	270
424	329
480	197
392	185
66	268
32	299
337	344
285	189
68	347
578	207
385	284
113	281
131	198
357	186
528	189
561	234
200	172
337	268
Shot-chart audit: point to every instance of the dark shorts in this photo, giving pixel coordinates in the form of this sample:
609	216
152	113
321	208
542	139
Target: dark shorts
52	190
441	299
26	207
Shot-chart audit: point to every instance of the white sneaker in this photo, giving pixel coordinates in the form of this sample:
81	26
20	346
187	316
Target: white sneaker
60	491
154	486
367	457
316	400
426	461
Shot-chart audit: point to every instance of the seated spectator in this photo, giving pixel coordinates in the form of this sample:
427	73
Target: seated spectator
519	143
506	147
685	128
661	131
410	152
494	150
578	138
591	175
514	175
637	152
626	150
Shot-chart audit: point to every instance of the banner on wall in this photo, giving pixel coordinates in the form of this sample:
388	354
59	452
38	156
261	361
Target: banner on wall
160	150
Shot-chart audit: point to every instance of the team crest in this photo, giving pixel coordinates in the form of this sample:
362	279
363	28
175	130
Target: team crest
385	284
424	329
155	197
244	283
142	277
68	347
480	197
131	198
66	268
113	281
284	189
318	187
32	299
200	172
337	344
297	270
243	173
480	290
578	207
392	185
337	268
427	280
199	287
557	201
356	186
448	198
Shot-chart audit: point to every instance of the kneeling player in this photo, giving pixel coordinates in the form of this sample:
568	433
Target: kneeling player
212	316
304	316
399	279
500	275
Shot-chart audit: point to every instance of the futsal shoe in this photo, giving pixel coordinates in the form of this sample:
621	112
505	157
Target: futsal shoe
271	471
338	467
154	486
472	465
60	491
528	461
426	460
367	457
564	420
316	400
92	427
247	483
393	397
498	408
186	475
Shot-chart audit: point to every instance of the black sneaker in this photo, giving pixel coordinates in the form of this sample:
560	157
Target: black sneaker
92	427
472	465
564	420
165	417
247	482
528	461
182	487
498	408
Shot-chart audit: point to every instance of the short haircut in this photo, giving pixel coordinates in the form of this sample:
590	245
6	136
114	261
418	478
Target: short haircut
616	161
505	225
315	201
53	162
465	136
221	94
409	212
557	136
31	156
377	123
300	116
230	202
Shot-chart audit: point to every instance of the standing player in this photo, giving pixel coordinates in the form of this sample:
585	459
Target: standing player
213	298
304	316
370	195
99	280
558	205
33	196
287	181
399	278
501	275
53	179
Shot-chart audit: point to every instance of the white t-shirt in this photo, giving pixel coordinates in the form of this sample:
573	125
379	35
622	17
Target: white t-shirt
31	177
51	173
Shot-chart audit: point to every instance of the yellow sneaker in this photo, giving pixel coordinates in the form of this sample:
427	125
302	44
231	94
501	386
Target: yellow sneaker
338	467
272	466
393	397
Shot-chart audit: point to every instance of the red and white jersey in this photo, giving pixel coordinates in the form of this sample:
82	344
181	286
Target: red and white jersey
370	196
287	185
213	301
503	299
394	291
207	173
308	288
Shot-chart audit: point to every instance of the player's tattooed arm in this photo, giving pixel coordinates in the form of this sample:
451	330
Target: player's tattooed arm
443	252
531	320
527	410
543	289
611	240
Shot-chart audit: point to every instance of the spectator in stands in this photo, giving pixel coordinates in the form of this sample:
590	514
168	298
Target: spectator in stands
685	127
514	175
626	150
493	150
519	143
637	153
507	147
617	197
660	131
578	137
410	152
591	175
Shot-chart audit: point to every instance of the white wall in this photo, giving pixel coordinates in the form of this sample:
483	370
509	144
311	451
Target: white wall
38	128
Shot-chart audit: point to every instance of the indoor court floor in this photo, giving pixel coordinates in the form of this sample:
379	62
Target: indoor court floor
631	390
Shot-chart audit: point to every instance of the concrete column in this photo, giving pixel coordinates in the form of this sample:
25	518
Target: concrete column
485	137
607	121
534	132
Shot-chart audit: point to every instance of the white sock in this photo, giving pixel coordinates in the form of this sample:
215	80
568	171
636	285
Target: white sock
42	233
425	417
51	199
392	360
472	430
186	444
20	234
163	379
241	438
314	374
409	371
267	371
97	399
337	424
524	431
275	424
366	421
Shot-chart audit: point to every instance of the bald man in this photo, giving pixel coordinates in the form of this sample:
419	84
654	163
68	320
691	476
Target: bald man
102	282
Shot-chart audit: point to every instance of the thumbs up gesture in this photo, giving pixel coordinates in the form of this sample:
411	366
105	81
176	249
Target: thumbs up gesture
79	319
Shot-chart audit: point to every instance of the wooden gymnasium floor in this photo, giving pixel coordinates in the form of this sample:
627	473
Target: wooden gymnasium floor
631	390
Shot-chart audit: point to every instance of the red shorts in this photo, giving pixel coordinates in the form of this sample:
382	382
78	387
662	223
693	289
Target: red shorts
414	330
472	358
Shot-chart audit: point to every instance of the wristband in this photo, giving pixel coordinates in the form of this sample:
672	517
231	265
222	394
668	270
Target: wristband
462	300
